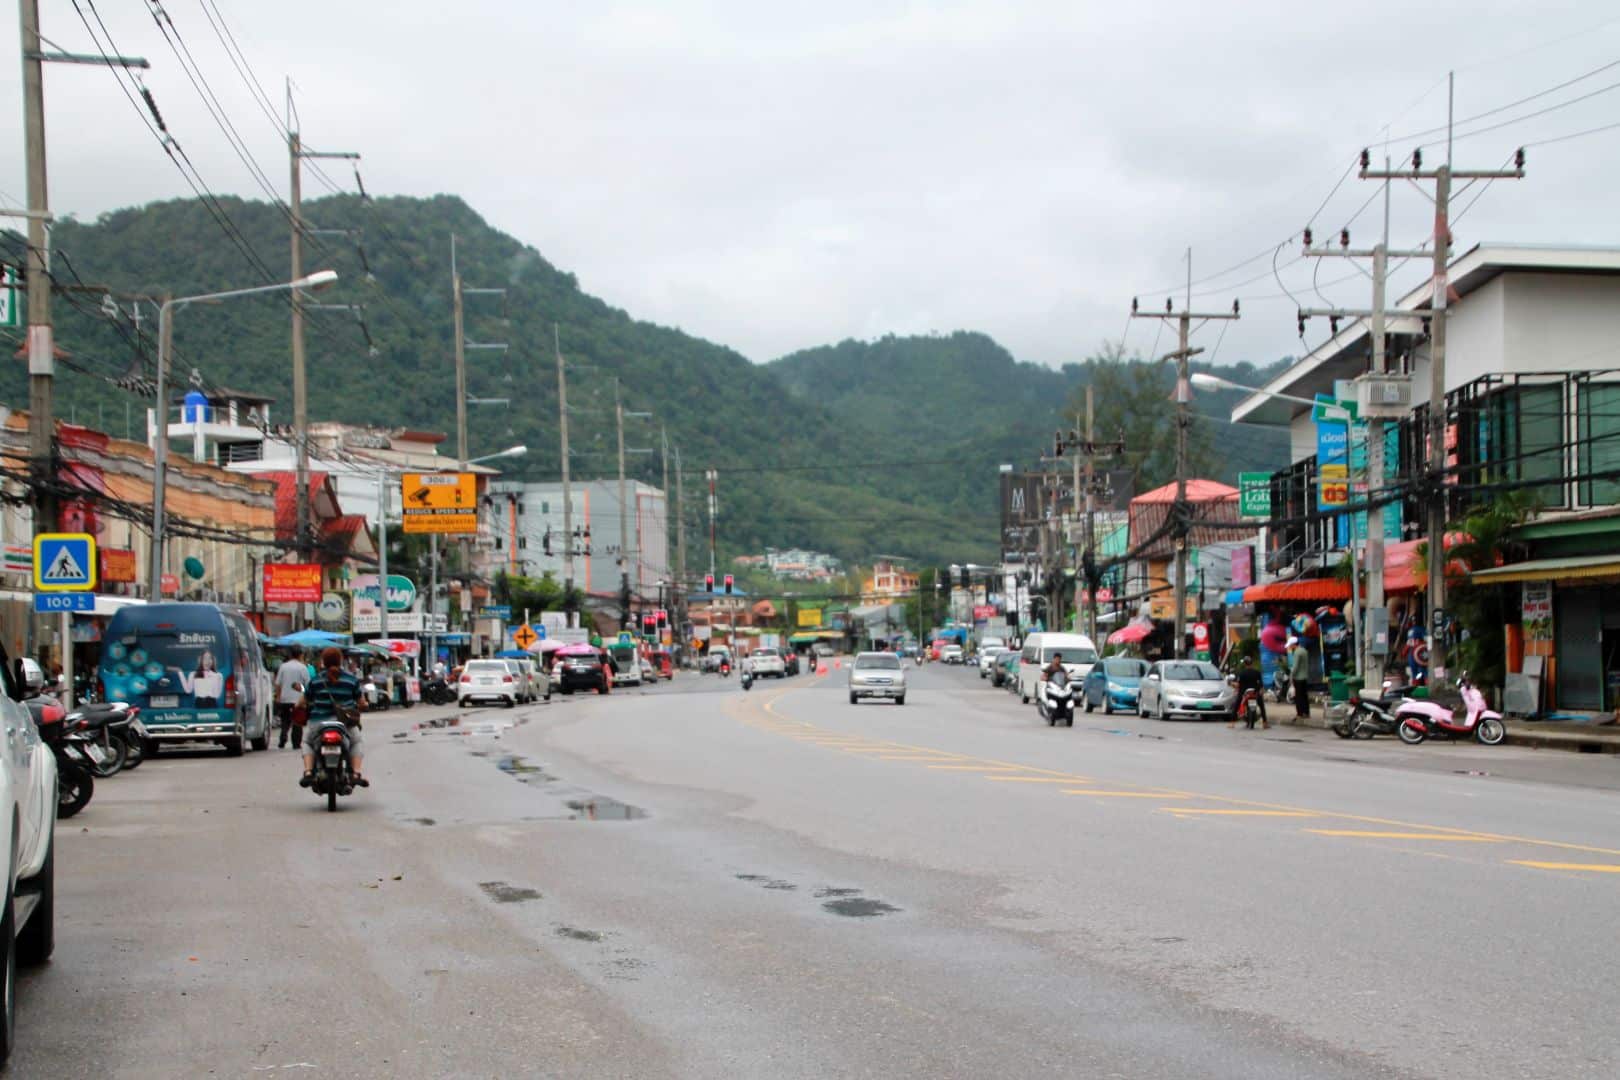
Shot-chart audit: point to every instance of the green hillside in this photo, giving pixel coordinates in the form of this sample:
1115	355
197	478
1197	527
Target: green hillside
858	448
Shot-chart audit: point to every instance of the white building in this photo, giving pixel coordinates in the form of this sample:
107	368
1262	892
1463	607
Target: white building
527	524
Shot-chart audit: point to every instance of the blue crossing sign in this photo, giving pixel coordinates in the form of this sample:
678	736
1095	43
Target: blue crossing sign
64	562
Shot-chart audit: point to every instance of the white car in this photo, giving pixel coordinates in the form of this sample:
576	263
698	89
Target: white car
488	680
763	662
987	656
29	792
951	654
877	675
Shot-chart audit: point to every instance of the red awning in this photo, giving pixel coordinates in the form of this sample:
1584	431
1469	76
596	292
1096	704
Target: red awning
1310	591
1404	572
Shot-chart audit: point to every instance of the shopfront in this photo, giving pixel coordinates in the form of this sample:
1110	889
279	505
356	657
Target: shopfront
1569	613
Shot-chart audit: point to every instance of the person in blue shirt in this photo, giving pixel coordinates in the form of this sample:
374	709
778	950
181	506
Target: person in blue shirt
334	693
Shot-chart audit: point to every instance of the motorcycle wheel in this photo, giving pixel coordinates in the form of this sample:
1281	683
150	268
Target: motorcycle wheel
136	752
1068	721
331	797
1346	728
116	751
1491	731
1411	732
74	787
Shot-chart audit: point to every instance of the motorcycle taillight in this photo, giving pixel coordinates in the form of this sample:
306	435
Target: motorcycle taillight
333	736
51	714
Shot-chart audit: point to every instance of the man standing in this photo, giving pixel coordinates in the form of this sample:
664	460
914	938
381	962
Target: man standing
1299	672
291	678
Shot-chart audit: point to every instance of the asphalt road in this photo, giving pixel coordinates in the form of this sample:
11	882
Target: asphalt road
693	881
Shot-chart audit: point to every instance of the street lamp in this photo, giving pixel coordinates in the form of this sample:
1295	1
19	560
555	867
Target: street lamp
160	452
510	451
433	559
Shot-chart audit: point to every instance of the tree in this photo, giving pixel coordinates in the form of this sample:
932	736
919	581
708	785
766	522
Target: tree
1482	611
1134	401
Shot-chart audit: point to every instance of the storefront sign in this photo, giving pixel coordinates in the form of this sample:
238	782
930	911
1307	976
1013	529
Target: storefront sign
117	565
1242	567
333	610
169	585
292	583
1254	495
810	616
1536	611
401	592
440	502
983	612
369	621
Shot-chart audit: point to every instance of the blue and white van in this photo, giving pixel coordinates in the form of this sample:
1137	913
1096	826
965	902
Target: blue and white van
194	669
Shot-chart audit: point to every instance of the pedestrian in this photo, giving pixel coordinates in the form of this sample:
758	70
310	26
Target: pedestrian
291	678
1299	671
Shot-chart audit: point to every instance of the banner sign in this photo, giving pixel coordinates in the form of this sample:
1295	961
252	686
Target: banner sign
1537	611
810	616
117	565
1020	523
439	502
292	583
401	592
1254	495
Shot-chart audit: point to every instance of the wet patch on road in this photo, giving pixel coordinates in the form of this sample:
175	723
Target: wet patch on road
572	803
502	893
859	907
573	933
767	882
425	821
601	808
825	893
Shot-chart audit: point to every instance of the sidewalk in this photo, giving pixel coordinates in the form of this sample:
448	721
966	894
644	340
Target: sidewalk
1542	734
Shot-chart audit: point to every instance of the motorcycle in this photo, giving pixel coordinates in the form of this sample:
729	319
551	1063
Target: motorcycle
725	669
1370	716
334	775
1279	684
438	692
1248	706
376	700
74	750
747	679
1421	719
1057	703
114	738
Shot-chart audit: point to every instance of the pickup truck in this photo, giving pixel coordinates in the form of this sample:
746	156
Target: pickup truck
765	662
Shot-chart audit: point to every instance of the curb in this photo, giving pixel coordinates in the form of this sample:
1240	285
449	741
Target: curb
1562	740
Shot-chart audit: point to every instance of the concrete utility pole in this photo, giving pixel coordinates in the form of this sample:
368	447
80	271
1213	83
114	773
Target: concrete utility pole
295	211
1435	503
457	318
37	266
1180	528
1090	449
1378	316
624	512
567	493
680	540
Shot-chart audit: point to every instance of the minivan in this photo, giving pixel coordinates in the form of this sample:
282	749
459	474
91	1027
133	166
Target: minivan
195	670
1076	649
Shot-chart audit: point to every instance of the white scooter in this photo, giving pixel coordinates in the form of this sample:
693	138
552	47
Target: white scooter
1056	701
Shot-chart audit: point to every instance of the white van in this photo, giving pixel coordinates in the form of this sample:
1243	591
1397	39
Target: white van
1076	649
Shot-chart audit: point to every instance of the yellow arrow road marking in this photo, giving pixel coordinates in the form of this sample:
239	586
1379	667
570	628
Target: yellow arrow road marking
1373	835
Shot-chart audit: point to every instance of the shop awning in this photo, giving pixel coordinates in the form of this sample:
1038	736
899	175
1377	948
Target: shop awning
1309	591
1573	568
1404	572
1234	596
810	637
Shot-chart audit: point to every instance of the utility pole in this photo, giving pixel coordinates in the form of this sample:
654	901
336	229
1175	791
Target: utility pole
458	320
1180	526
37	271
1435	502
567	493
295	212
1090	449
680	541
624	512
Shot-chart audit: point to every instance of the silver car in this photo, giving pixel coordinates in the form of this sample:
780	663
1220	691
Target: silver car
877	675
1185	688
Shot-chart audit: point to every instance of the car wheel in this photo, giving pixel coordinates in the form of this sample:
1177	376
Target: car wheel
901	700
1108	704
510	703
38	939
1160	703
852	697
233	746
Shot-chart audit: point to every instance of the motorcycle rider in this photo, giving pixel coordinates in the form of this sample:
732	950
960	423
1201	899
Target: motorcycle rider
334	694
1052	668
1248	678
291	677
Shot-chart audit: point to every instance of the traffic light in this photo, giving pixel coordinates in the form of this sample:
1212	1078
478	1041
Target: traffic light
708	583
661	618
649	624
730	582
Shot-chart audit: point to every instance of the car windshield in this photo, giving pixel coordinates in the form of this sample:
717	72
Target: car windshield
1191	671
766	652
1127	669
1071	655
883	661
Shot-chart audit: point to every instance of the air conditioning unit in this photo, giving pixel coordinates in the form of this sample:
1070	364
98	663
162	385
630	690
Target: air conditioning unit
1384	396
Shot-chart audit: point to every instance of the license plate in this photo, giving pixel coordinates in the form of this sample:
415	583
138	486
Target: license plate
164	701
1206	704
332	755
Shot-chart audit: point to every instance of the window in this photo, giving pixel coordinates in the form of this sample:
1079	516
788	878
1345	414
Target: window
1599	435
523	541
1523	439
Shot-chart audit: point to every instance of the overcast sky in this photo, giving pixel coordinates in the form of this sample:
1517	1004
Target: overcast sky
776	176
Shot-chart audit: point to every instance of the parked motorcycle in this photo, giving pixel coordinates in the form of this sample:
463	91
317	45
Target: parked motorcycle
1370	716
1280	684
334	773
113	735
1057	703
75	782
1420	720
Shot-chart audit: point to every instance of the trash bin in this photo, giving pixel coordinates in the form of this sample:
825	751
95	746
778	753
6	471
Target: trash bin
1341	685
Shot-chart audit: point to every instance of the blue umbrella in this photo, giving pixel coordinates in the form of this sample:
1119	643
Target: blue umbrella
312	639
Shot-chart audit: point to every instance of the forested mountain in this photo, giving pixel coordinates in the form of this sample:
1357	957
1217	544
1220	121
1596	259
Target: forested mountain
858	448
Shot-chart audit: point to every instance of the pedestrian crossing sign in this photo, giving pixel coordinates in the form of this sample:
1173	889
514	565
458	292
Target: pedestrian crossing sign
64	562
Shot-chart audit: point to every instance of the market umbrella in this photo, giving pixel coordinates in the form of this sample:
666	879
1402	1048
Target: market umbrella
1130	634
312	639
577	649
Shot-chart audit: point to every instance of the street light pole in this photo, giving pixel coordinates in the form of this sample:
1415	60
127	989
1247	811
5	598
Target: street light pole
160	449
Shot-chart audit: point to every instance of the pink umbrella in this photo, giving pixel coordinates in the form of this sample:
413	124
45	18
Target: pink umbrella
577	649
1130	633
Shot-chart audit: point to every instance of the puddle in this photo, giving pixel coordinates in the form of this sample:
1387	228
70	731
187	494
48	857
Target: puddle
575	934
1470	772
1285	740
502	893
859	908
824	893
518	767
767	882
601	808
1350	760
425	821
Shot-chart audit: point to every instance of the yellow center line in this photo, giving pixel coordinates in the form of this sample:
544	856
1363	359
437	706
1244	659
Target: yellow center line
977	768
1374	835
1132	794
769	705
916	757
1183	811
1040	779
1590	868
869	749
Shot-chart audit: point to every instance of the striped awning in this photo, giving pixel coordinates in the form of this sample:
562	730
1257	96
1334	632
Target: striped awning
1309	591
1574	568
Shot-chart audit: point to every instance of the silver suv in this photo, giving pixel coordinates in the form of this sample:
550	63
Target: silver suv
877	675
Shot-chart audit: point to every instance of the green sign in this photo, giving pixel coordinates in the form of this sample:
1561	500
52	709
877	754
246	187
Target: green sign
1329	410
10	313
1254	495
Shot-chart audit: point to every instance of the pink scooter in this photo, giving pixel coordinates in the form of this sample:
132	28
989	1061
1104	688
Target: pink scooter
1418	720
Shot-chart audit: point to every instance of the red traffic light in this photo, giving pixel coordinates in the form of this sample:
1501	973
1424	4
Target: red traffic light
708	582
729	583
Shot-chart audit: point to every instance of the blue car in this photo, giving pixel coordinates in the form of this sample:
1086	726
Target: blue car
1114	683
